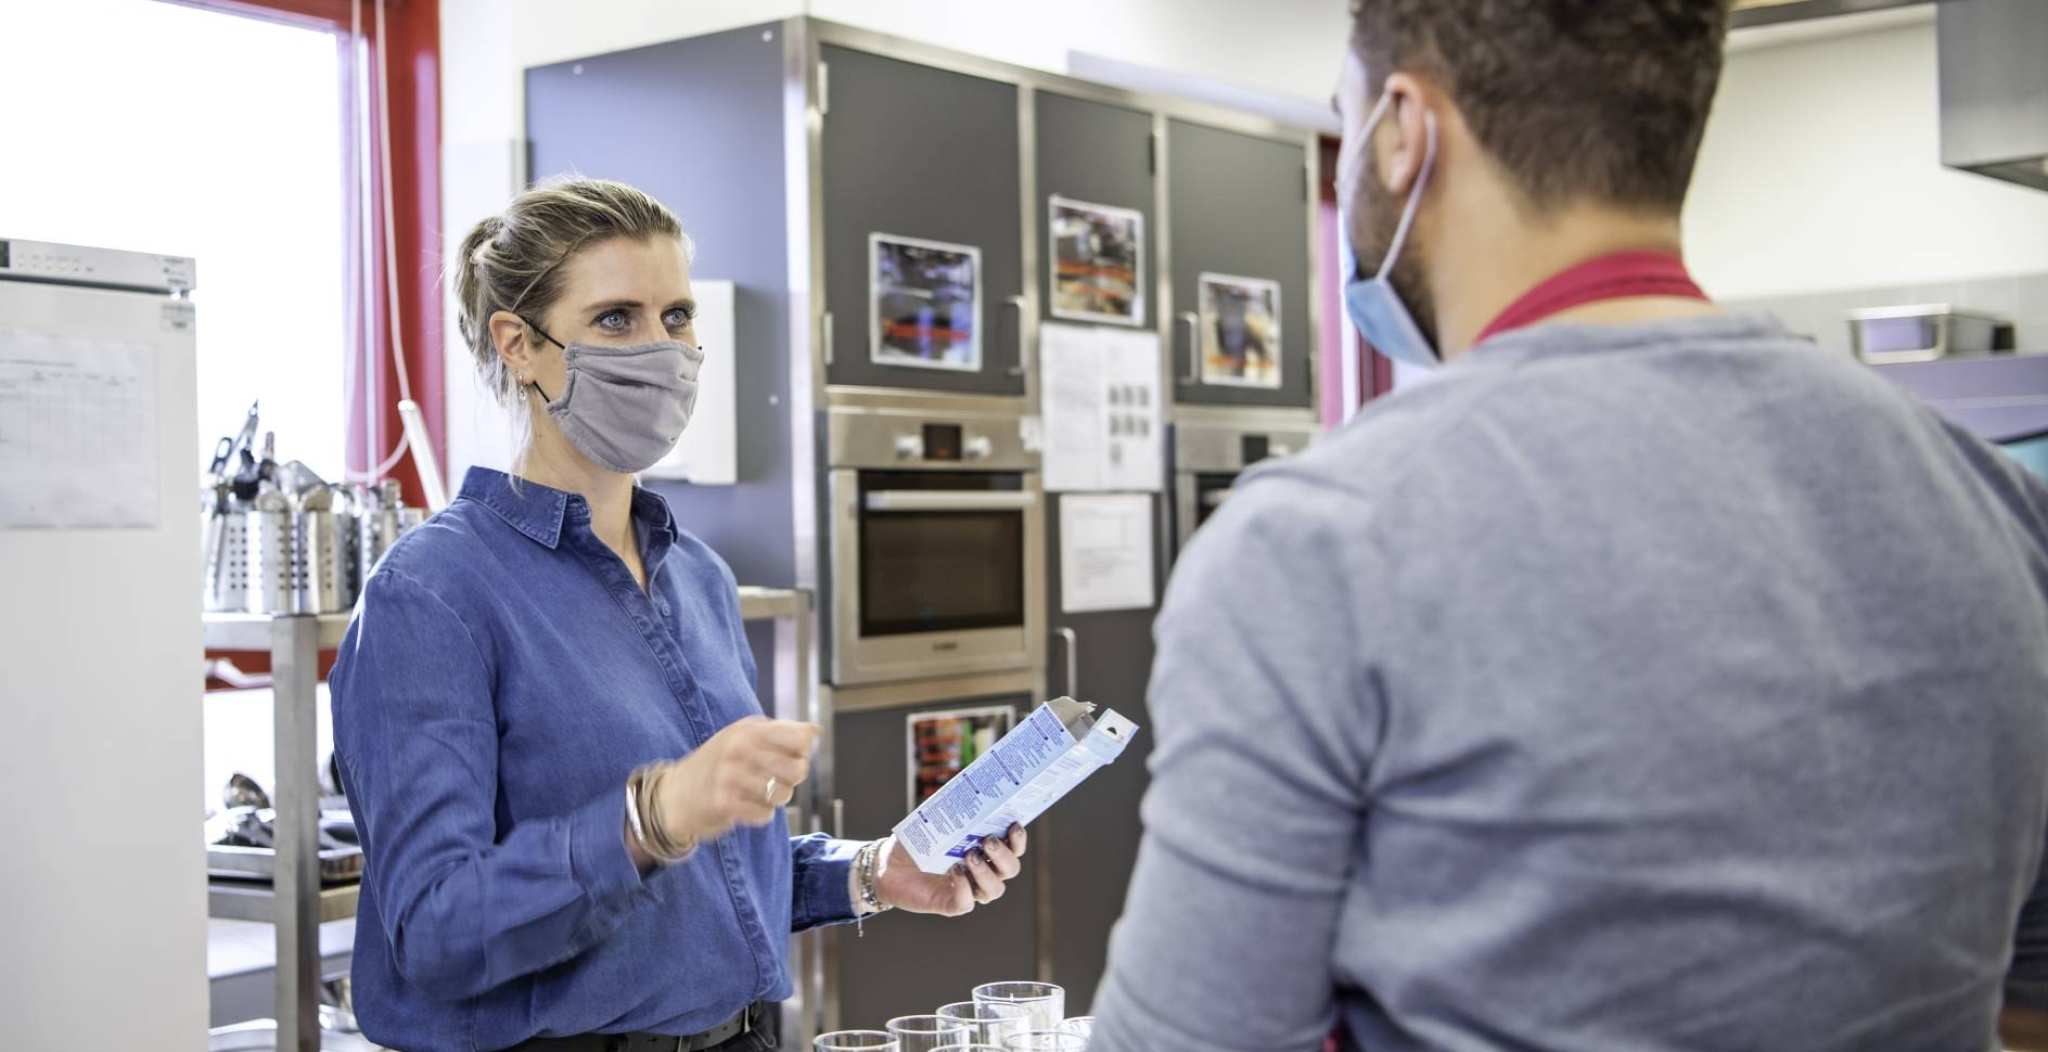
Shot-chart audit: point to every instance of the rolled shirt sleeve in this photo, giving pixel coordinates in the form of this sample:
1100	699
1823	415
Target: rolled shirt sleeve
1265	717
822	892
463	909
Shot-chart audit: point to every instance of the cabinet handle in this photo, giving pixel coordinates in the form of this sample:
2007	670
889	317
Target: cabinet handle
825	335
1023	365
838	818
1194	323
1073	640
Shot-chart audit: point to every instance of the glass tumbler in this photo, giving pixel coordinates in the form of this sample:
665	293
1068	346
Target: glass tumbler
925	1033
989	1021
1046	1041
1046	1003
856	1041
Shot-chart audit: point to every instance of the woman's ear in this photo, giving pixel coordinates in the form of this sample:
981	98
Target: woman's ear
508	335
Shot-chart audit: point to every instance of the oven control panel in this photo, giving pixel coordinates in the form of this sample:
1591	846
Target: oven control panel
944	444
970	442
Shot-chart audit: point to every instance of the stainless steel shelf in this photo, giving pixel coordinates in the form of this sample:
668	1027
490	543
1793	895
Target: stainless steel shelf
252	631
295	903
762	604
253	901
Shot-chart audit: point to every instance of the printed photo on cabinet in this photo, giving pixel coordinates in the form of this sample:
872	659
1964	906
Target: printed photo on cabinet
942	744
1240	325
1098	262
924	303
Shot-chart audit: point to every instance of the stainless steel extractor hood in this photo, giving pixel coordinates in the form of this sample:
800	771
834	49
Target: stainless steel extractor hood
1994	88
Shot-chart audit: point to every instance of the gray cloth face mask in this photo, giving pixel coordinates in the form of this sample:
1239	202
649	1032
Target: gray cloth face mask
625	407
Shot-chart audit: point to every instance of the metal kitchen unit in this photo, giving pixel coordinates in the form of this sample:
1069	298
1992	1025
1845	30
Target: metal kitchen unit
901	483
1211	449
936	540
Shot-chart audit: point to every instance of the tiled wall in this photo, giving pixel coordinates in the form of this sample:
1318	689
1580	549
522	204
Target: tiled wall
2023	300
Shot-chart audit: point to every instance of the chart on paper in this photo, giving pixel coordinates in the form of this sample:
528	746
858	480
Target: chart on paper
77	432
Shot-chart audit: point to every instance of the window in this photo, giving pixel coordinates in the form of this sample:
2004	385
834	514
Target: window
155	127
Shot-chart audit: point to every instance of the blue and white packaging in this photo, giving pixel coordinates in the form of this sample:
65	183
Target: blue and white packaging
1028	770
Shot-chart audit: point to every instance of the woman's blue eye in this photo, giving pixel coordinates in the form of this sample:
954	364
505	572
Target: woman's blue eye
677	318
612	319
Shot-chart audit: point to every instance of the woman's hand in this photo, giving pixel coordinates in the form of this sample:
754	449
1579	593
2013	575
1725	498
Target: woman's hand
980	878
726	782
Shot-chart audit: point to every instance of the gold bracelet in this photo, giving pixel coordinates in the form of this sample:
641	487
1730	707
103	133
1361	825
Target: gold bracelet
675	851
644	809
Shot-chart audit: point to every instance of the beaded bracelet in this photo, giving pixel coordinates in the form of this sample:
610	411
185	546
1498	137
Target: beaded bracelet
864	879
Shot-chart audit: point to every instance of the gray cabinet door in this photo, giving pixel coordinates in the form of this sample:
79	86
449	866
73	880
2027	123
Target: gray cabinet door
721	171
906	964
1092	835
1238	206
927	154
1099	154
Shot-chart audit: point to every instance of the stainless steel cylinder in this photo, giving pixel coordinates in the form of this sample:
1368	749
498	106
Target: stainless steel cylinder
376	531
320	557
268	556
226	588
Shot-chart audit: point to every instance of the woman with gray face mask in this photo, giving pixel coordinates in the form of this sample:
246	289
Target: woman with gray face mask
568	796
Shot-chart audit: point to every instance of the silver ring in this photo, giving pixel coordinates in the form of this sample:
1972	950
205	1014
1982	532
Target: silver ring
769	793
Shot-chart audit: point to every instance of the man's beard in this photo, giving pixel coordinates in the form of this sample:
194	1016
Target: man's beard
1382	216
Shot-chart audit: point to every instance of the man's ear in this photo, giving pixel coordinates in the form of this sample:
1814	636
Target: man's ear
1402	142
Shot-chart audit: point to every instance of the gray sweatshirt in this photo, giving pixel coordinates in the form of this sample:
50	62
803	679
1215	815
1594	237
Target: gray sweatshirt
1658	687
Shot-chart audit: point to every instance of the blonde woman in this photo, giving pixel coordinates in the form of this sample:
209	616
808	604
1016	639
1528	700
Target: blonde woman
568	795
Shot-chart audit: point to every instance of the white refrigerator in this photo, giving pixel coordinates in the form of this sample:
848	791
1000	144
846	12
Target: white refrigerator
104	883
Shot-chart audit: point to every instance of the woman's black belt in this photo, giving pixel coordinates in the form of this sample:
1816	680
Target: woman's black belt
754	1019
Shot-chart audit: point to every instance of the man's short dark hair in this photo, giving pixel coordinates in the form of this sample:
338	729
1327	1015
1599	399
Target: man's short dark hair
1602	100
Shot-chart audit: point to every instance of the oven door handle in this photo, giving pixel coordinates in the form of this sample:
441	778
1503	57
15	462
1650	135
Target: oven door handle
948	500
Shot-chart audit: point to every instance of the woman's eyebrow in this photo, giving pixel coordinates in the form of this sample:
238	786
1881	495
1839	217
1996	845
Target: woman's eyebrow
604	305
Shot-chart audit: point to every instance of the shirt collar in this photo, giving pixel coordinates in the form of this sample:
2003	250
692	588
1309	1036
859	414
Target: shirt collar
651	508
539	511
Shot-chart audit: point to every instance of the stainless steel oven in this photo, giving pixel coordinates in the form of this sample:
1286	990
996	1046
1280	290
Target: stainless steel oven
936	541
1209	455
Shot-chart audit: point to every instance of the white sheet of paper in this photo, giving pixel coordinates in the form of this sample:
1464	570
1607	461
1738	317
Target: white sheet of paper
1070	369
1135	449
1102	409
1105	552
78	444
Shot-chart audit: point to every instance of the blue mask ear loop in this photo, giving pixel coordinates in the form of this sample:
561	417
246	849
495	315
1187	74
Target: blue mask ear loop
1415	196
543	335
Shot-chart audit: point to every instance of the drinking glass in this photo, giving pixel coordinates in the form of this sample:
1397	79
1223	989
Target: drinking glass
1046	1041
970	1048
989	1021
925	1033
1046	1003
856	1041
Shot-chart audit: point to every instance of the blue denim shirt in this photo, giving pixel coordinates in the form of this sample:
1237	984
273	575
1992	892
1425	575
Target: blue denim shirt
502	677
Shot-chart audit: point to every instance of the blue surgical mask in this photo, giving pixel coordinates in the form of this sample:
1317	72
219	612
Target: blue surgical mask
1372	303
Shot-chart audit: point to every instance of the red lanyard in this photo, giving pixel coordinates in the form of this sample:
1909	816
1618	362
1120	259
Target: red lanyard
1619	275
